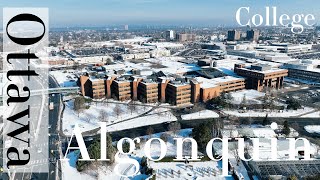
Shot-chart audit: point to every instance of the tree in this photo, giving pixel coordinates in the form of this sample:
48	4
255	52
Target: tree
132	106
117	110
286	128
150	131
247	121
244	102
228	96
94	151
126	146
266	121
79	104
109	61
202	134
103	116
174	127
88	117
165	137
265	100
293	104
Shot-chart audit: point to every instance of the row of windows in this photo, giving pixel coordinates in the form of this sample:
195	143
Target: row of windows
184	89
185	97
98	84
183	102
122	86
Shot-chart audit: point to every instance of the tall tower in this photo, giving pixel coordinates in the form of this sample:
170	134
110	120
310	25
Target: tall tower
170	35
253	35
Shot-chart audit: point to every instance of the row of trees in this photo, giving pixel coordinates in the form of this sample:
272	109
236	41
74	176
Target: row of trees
94	153
204	132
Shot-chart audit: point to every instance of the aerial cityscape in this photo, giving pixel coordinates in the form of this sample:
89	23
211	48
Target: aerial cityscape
172	101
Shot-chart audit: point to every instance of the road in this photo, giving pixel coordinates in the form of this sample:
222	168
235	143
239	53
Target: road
37	103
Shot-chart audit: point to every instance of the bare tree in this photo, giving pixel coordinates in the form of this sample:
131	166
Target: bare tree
174	127
150	131
103	116
197	108
79	104
88	117
244	102
132	106
117	110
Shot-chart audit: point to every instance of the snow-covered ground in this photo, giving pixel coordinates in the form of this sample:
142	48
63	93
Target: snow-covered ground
250	96
65	78
204	114
312	115
158	116
69	170
312	129
284	113
88	119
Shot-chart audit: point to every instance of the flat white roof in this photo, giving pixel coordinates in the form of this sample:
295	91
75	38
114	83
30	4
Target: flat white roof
210	83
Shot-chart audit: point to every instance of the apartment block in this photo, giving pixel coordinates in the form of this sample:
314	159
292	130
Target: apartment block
234	35
184	37
148	91
93	87
121	89
178	93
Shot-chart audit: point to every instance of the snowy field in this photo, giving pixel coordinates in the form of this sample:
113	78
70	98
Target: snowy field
205	114
89	118
95	173
158	116
250	95
65	79
312	115
312	129
284	113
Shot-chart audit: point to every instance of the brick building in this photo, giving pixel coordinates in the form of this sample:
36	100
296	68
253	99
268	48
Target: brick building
259	76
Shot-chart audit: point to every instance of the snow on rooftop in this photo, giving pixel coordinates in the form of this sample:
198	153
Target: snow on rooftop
165	45
133	40
209	83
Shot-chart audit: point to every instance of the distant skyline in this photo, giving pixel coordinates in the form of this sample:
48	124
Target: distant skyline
99	13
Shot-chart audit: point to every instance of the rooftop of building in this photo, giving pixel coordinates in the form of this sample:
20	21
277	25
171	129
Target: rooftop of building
122	80
149	81
265	69
215	82
164	44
